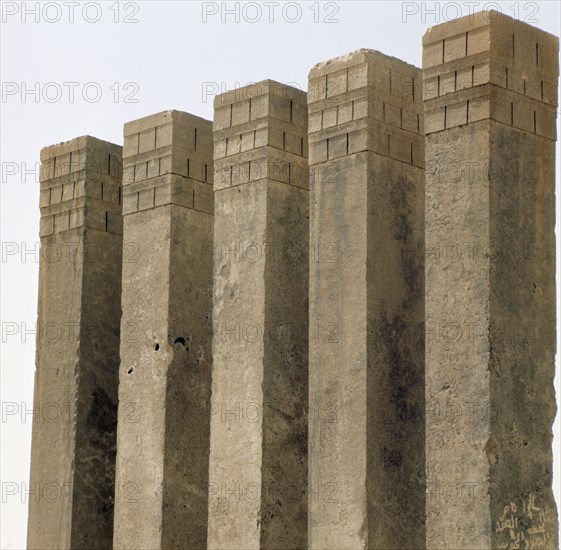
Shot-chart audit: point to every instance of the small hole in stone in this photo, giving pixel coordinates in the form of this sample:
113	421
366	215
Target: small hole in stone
130	371
179	341
157	347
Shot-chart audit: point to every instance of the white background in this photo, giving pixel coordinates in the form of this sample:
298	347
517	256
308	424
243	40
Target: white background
168	52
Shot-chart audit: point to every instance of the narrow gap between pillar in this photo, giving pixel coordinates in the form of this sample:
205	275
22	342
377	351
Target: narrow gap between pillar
537	55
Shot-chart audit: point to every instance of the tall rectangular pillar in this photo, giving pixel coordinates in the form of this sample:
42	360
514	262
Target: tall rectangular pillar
490	98
258	462
366	304
164	385
77	357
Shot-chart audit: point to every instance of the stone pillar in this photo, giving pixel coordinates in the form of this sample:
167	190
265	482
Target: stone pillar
164	384
258	463
490	96
366	304
75	407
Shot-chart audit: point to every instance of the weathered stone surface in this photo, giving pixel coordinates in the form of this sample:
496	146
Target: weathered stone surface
258	461
424	419
366	304
164	392
490	286
77	358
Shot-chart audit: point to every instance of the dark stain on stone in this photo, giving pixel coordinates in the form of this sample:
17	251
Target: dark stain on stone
392	458
102	415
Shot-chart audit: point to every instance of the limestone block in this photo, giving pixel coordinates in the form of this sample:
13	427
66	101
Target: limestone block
491	152
258	473
366	432
79	295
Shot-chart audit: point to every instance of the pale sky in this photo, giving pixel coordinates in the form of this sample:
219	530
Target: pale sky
70	69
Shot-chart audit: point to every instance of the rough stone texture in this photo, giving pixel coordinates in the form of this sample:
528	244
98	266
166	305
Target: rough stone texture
77	357
258	461
371	451
165	373
490	99
366	456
